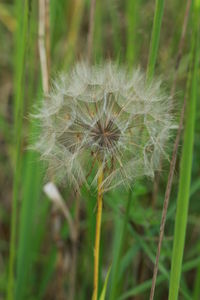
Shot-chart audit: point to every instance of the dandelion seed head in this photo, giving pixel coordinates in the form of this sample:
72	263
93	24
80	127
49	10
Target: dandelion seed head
108	115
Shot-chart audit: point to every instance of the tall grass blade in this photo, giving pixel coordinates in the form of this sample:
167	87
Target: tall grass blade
31	193
146	285
185	172
21	36
132	18
116	36
117	248
174	153
103	293
155	37
74	28
31	178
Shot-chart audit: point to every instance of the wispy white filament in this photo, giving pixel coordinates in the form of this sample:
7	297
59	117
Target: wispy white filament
107	114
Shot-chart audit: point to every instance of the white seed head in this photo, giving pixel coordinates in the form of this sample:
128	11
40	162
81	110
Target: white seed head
103	115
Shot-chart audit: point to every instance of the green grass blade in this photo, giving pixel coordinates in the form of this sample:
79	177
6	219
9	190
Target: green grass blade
19	107
31	192
146	285
103	293
132	18
73	33
155	37
185	178
116	36
147	249
117	247
31	176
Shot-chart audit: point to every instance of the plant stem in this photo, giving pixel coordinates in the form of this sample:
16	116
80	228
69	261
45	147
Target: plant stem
21	47
98	234
42	42
174	155
75	249
155	37
118	247
185	170
132	20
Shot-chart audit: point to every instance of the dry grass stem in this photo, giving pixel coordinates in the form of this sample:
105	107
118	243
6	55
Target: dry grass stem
47	35
180	47
174	154
42	41
173	88
98	234
166	200
52	192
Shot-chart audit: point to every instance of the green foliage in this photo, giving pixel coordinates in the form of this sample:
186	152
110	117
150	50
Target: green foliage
155	36
124	31
132	16
185	165
21	38
103	293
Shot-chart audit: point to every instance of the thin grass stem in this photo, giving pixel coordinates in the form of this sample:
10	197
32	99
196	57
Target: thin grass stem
19	109
75	248
132	18
185	172
43	45
118	246
155	37
98	234
174	157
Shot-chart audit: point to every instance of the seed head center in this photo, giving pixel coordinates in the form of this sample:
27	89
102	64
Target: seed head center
105	134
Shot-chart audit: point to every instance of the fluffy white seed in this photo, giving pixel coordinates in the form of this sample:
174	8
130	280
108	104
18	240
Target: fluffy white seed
103	115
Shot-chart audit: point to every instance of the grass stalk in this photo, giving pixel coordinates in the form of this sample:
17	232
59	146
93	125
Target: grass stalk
180	46
185	173
116	34
31	193
74	28
43	45
75	248
174	155
19	108
155	37
98	234
31	183
146	285
166	201
132	17
118	245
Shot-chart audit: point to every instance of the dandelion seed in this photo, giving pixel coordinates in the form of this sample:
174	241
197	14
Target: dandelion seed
103	125
107	114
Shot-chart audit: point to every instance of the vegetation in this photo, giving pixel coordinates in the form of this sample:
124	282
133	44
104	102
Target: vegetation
47	242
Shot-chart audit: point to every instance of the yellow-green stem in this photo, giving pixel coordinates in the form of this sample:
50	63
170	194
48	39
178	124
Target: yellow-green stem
98	234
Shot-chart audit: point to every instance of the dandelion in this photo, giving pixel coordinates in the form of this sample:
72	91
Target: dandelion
104	126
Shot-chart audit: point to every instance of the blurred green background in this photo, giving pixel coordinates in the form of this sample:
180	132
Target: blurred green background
36	251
